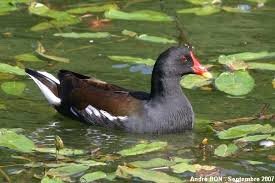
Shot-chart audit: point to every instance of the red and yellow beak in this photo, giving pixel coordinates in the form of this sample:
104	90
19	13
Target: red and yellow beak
198	68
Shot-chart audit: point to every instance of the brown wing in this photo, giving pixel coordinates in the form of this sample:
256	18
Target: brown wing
80	91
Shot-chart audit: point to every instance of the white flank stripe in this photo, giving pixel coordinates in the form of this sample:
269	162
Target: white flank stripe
52	99
108	115
72	110
48	75
95	111
92	110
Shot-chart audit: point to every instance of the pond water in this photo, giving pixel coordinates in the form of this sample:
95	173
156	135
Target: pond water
213	35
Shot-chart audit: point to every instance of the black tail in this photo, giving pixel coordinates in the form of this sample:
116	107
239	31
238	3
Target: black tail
48	84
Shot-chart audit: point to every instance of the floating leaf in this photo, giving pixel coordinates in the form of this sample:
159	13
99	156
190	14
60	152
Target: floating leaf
28	57
65	151
246	56
142	15
129	33
233	9
183	167
84	35
244	130
68	170
61	19
224	150
255	162
235	83
253	138
143	148
136	60
90	177
202	11
271	138
261	66
148	175
90	162
53	24
93	9
155	39
192	81
152	163
12	140
6	68
40	51
199	2
13	88
51	180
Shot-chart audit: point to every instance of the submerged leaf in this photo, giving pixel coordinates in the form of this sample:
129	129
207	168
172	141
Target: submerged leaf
202	11
28	57
135	60
90	177
12	140
224	150
6	68
143	148
192	81
235	83
84	35
147	175
13	88
142	15
67	170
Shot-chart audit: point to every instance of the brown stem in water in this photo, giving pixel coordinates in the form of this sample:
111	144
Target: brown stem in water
5	176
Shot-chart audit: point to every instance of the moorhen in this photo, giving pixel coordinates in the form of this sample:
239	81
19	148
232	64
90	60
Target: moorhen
165	110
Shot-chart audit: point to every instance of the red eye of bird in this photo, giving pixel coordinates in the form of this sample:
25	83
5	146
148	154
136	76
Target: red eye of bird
183	59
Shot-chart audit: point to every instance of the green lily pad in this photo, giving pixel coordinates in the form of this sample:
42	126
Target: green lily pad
64	152
13	88
129	33
52	57
155	39
142	15
90	177
147	175
261	66
201	11
253	138
246	56
224	150
6	68
84	35
27	57
233	9
184	167
143	148
152	163
92	9
192	81
90	162
271	138
135	60
12	140
255	162
244	130
199	2
60	18
68	170
235	83
51	180
53	24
